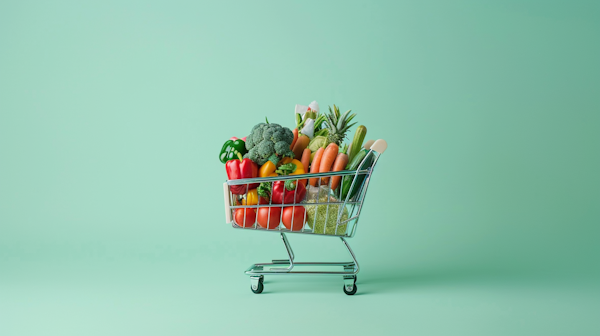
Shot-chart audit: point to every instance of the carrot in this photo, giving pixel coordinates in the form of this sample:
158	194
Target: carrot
305	162
340	163
327	160
314	168
299	146
295	131
306	159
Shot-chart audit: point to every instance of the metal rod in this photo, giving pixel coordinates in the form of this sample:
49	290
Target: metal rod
349	224
288	248
356	267
308	263
356	202
291	177
299	272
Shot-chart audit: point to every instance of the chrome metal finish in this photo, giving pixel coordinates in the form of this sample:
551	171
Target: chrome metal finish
254	281
343	225
355	264
349	282
348	209
293	177
280	261
290	261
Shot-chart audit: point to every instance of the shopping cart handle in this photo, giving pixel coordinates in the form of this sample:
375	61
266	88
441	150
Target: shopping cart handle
368	144
379	146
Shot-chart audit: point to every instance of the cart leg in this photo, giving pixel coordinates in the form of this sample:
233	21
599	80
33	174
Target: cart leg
350	279
288	247
350	269
355	266
290	253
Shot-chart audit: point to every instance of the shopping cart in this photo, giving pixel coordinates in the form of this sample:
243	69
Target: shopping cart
325	212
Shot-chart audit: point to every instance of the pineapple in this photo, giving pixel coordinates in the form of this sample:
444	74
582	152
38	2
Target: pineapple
338	124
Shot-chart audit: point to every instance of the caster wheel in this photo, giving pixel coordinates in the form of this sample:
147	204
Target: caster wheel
259	287
352	292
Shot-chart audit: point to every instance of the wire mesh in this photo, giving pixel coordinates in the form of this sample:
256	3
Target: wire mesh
306	203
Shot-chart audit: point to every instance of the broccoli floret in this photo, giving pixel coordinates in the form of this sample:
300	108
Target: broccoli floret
265	149
288	135
268	131
266	140
251	153
283	148
255	136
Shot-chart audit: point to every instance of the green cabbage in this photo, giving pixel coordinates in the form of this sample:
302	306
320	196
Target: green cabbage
318	142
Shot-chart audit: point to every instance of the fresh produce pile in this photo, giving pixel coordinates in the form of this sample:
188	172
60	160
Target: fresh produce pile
315	145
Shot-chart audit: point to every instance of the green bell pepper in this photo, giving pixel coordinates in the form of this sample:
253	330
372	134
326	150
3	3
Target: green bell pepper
231	148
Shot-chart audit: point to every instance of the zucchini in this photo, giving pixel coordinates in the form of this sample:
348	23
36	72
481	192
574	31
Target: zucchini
357	142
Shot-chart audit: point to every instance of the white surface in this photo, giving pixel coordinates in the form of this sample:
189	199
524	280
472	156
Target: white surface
227	205
379	146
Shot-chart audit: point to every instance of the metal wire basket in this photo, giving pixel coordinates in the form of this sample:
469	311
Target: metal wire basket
311	207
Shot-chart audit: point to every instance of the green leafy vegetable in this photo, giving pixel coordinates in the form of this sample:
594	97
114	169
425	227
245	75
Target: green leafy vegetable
318	142
268	141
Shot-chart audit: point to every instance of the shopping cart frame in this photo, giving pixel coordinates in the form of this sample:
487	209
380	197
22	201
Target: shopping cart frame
355	202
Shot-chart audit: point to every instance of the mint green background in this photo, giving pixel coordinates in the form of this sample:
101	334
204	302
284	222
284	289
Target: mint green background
482	217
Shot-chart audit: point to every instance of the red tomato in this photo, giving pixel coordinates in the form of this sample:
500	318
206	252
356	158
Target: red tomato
269	217
248	213
293	217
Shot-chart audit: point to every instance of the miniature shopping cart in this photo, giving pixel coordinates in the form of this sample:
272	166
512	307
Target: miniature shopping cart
325	212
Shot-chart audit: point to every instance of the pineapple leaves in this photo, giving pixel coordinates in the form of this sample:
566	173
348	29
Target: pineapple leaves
338	124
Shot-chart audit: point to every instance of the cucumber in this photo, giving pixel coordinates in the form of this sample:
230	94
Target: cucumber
357	142
344	189
353	164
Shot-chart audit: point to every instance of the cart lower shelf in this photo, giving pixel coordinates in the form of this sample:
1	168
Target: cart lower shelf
258	271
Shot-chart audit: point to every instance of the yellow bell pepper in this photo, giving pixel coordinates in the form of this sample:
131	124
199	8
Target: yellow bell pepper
251	198
298	170
268	169
299	167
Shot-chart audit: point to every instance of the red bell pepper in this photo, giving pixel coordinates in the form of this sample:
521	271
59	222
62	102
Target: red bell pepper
241	169
235	138
283	192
